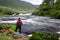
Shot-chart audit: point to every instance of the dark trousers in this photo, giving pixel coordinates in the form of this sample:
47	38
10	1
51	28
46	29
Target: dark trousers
18	27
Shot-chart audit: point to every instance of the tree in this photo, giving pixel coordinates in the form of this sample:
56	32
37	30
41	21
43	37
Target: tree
49	8
52	2
47	2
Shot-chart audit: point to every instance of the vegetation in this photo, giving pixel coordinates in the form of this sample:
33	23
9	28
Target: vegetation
42	36
4	31
8	11
17	4
8	7
5	37
7	33
12	27
48	8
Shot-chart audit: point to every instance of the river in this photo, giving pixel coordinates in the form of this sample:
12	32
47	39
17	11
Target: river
33	23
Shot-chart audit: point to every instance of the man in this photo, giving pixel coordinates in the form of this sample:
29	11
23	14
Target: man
18	25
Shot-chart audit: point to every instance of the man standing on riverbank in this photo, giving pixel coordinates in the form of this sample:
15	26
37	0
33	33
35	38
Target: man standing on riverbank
18	25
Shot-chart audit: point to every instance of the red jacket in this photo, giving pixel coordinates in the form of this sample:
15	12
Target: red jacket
19	21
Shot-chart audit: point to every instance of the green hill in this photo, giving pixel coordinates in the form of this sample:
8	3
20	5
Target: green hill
17	4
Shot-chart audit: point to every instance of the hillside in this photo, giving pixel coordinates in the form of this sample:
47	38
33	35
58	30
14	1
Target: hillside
17	4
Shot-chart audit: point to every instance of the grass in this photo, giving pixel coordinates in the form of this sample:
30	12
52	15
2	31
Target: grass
7	11
4	11
12	27
5	37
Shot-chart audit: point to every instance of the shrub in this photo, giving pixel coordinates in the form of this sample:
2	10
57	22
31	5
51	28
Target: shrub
42	36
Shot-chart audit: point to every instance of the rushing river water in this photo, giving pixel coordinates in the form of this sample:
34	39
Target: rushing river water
33	23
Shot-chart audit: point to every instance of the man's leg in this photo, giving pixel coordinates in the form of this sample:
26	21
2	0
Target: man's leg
20	29
16	28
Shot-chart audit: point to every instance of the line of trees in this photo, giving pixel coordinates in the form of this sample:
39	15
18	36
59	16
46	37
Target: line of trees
49	8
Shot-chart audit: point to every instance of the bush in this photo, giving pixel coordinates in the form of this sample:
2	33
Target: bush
42	36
